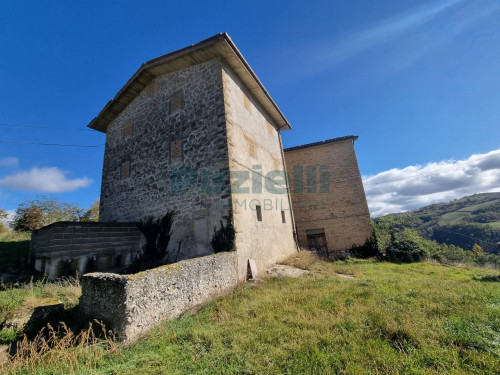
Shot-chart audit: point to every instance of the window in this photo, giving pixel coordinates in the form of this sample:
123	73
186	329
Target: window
127	131
258	209
125	172
283	219
175	149
176	102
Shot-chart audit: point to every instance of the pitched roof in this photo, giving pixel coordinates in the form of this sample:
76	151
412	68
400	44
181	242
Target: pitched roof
220	46
320	143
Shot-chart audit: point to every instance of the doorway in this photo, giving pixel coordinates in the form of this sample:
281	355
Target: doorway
316	240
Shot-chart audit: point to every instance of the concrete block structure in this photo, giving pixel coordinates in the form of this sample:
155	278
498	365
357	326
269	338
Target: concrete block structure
66	248
195	131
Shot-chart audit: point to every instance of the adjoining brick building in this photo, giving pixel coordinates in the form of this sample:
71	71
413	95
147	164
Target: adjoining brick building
328	198
195	131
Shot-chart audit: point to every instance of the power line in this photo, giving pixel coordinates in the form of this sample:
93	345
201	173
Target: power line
50	144
44	127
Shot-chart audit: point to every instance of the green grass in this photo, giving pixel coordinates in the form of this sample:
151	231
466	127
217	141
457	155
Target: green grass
413	318
458	216
29	295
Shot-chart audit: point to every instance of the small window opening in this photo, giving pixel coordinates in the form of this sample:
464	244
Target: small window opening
258	209
176	102
283	218
125	172
127	131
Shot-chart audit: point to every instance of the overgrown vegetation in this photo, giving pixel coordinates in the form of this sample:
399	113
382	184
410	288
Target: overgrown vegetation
21	297
461	222
157	232
14	254
35	214
385	318
224	238
403	245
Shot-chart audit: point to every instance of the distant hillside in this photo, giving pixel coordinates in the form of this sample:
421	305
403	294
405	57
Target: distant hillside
461	222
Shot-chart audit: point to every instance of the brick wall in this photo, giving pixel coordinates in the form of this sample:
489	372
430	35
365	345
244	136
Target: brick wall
66	247
328	193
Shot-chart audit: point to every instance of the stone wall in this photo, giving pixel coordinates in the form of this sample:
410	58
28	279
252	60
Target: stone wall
328	193
132	304
167	150
257	174
64	248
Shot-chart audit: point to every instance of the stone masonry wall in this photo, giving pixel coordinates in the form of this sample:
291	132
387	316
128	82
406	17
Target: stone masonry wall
164	151
63	248
342	211
133	304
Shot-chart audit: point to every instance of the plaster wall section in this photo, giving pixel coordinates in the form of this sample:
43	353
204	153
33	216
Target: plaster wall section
257	179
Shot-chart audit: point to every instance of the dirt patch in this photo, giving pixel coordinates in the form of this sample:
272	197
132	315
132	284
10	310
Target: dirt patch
281	270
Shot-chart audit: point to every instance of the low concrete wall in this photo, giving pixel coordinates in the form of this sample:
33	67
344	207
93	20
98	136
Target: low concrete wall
65	247
132	304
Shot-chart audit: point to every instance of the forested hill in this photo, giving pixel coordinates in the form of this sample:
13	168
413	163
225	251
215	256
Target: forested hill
461	222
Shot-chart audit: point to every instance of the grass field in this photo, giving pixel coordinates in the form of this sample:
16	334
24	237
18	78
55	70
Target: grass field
24	297
458	216
382	318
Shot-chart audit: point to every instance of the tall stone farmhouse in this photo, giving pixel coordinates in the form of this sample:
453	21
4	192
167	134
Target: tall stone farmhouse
195	131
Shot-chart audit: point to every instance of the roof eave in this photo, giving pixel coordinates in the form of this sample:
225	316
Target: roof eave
159	66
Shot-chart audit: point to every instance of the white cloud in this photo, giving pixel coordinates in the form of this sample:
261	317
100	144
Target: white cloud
369	37
10	162
45	180
415	186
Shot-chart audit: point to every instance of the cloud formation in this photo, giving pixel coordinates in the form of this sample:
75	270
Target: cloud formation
398	190
386	29
44	180
9	162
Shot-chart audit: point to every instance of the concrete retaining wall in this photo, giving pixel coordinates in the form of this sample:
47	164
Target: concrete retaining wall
132	304
63	248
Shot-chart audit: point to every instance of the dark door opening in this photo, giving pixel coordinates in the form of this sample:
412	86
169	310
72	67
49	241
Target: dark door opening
316	240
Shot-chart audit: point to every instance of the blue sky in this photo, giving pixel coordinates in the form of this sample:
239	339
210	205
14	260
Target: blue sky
418	81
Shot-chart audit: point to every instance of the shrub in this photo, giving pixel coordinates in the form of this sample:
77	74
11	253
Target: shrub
403	250
368	250
157	232
224	238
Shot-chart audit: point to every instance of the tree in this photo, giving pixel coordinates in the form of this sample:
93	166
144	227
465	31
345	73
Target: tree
28	219
477	250
35	214
92	213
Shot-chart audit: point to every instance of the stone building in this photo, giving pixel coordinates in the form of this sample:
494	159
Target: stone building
176	131
328	198
195	131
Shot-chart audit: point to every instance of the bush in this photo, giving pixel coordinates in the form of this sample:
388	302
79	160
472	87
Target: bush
403	250
157	232
224	238
368	250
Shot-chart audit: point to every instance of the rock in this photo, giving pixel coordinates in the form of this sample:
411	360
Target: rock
280	270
